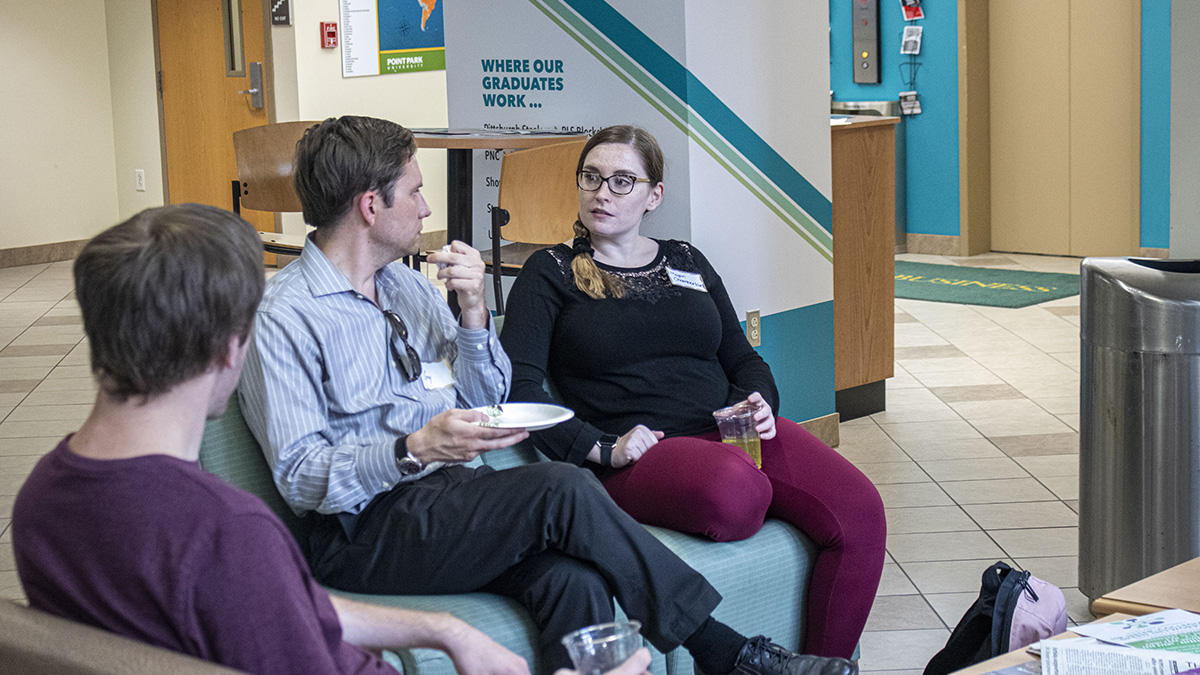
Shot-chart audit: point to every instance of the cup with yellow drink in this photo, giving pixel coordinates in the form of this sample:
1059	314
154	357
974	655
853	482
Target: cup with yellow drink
737	427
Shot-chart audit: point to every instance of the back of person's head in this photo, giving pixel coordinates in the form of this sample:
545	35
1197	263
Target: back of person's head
162	294
589	278
343	157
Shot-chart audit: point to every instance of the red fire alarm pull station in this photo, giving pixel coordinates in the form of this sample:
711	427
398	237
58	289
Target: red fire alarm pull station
329	34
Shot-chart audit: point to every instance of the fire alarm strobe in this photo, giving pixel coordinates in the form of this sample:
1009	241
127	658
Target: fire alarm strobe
328	34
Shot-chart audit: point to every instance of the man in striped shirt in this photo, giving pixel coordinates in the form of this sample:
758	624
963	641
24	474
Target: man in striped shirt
358	385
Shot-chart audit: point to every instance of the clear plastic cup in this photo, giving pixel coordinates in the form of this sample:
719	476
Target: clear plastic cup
737	427
600	648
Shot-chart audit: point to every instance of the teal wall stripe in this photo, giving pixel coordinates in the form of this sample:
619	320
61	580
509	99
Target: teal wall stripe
692	125
677	79
1156	125
798	345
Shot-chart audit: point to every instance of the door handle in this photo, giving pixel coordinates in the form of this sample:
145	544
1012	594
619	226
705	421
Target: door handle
256	86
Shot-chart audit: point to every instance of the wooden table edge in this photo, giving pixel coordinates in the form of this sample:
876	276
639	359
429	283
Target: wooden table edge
861	121
487	142
1110	605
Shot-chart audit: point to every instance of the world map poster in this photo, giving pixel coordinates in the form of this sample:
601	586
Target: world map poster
381	37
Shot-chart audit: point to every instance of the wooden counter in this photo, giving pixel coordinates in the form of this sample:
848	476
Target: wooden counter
1177	587
864	226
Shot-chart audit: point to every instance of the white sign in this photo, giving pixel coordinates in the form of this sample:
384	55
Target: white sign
360	38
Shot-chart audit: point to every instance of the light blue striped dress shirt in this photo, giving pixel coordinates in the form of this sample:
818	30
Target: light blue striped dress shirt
321	390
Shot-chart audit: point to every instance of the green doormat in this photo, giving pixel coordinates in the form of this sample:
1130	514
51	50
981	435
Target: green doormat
981	285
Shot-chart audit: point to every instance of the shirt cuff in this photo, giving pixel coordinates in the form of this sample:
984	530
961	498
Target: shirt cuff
377	470
477	344
584	441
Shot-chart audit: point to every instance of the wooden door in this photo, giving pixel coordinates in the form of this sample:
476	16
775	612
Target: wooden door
205	51
1065	156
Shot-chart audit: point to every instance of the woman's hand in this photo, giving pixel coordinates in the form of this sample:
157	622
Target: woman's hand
764	421
633	445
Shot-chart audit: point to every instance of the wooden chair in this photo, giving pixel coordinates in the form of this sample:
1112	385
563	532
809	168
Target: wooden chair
538	204
264	168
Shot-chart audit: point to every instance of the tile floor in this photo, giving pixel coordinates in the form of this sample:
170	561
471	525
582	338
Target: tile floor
976	456
977	459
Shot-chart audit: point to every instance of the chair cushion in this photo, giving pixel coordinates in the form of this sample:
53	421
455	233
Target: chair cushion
762	579
503	619
230	451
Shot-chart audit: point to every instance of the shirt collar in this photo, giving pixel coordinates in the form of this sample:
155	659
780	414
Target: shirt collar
324	278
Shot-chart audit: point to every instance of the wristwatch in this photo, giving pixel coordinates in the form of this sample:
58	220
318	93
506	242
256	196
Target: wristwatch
607	443
406	464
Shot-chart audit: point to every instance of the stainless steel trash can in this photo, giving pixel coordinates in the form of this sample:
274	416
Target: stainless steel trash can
1139	454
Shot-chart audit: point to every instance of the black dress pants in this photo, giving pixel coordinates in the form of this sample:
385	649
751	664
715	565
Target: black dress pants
546	535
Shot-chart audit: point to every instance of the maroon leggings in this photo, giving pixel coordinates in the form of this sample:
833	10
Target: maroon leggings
698	484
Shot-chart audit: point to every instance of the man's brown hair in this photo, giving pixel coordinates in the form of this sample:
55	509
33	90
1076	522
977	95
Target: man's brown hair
343	157
163	292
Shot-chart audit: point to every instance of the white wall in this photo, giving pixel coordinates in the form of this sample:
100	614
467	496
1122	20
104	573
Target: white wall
57	176
309	81
81	112
135	127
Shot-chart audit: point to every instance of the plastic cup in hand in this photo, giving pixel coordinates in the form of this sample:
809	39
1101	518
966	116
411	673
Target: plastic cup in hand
600	648
737	427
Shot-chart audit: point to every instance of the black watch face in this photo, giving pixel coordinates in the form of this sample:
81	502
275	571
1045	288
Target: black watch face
409	466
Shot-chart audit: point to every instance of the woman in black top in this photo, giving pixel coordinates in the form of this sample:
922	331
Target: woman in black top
639	337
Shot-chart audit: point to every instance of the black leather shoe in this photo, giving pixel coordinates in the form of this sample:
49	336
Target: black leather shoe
760	656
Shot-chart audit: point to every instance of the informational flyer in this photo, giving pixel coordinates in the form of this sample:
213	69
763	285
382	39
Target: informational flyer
381	37
1173	629
1088	656
1154	644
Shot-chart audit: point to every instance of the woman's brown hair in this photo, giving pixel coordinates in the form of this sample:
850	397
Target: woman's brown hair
589	278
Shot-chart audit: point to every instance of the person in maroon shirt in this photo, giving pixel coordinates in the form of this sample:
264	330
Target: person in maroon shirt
119	528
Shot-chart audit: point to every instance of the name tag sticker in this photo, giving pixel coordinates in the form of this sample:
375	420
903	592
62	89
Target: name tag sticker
691	280
436	375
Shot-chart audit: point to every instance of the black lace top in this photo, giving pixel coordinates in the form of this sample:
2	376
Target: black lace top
651	283
666	355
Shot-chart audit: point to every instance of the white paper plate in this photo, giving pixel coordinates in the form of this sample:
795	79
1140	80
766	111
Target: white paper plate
531	416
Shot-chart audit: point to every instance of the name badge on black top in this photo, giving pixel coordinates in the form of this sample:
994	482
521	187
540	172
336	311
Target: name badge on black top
691	280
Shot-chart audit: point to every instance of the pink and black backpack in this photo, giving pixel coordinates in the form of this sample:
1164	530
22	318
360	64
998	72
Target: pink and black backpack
1014	609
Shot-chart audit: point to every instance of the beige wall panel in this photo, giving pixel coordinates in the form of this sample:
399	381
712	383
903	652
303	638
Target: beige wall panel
57	172
1030	125
134	104
974	130
1105	95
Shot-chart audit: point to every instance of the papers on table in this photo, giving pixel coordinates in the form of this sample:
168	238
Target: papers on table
1155	644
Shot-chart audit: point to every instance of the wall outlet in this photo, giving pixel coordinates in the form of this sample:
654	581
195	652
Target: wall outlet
139	179
754	328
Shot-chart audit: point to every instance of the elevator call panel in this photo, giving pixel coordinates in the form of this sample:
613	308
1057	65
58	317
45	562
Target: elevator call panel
864	15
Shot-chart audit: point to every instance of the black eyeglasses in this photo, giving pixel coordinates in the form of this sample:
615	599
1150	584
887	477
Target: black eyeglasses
407	361
618	183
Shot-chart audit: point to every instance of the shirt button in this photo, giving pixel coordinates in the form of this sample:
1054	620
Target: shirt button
386	486
478	347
